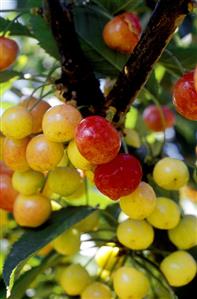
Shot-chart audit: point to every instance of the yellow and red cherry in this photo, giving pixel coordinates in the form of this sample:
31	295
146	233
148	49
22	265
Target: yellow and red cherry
14	153
122	33
16	122
158	119
8	51
119	177
97	140
37	109
32	210
60	122
42	154
185	96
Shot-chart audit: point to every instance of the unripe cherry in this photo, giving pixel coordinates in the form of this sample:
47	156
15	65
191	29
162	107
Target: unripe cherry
140	203
179	268
130	283
97	140
97	290
118	177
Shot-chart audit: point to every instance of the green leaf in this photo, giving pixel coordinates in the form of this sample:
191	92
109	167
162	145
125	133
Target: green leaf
29	3
89	24
152	86
9	74
28	277
44	36
118	5
34	239
15	28
176	56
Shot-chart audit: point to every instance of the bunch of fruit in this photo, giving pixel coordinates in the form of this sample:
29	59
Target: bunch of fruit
49	150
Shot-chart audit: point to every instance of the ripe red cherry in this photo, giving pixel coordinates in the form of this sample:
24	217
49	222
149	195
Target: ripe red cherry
97	140
7	193
195	78
185	96
157	122
9	50
119	177
122	32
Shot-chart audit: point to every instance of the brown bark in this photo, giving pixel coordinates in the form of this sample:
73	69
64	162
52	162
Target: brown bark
166	17
77	80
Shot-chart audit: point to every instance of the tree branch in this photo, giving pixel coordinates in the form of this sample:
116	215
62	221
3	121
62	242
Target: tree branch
77	80
166	17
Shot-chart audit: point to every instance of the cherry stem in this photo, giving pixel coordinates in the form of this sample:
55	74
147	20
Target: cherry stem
162	275
124	145
176	60
86	191
37	88
154	99
12	10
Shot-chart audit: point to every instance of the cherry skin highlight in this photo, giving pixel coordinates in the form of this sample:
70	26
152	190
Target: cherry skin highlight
119	177
97	140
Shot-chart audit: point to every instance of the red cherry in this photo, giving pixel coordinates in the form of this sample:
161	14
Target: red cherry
7	193
8	52
185	96
119	177
97	140
154	120
122	32
195	78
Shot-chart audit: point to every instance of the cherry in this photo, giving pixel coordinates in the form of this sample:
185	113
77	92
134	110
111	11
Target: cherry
195	78
9	50
7	193
122	32
4	169
185	96
37	108
14	153
158	120
97	140
119	177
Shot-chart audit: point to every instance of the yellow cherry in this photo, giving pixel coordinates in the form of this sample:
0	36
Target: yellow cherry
179	268
140	203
